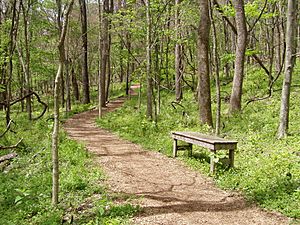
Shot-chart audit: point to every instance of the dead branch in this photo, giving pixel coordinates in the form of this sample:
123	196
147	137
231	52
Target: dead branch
7	128
8	157
270	89
26	96
176	103
12	146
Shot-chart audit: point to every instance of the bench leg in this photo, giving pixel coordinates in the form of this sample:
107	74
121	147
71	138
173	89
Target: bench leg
231	158
212	162
174	148
190	150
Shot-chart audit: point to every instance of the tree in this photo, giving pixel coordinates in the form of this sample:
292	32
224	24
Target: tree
291	46
148	62
104	50
178	54
204	94
85	75
236	93
26	68
62	25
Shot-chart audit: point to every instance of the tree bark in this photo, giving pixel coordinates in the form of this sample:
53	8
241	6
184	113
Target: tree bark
204	94
27	57
100	80
178	55
104	51
11	48
216	60
236	93
61	48
291	46
85	75
148	66
74	84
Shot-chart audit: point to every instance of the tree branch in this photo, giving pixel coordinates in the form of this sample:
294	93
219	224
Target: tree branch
7	128
12	146
258	60
258	18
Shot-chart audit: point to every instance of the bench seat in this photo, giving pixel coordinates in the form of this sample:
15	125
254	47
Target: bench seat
213	143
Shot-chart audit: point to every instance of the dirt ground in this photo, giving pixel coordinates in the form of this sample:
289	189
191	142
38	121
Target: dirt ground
167	191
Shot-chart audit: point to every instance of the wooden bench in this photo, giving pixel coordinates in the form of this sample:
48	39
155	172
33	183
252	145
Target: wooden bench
211	142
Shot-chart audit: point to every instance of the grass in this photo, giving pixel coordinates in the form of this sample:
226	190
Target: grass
25	196
267	170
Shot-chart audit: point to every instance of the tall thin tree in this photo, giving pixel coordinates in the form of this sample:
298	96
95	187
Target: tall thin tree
178	54
204	94
84	37
62	25
148	63
237	86
291	46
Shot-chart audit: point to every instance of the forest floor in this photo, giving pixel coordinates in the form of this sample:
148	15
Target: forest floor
167	190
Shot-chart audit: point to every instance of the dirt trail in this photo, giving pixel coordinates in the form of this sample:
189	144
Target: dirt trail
170	193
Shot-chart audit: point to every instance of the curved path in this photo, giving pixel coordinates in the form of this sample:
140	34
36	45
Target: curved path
170	193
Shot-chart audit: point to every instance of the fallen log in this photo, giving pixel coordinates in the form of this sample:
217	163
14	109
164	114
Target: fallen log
8	157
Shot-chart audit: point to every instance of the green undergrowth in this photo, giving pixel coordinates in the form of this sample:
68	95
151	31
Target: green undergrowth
267	170
25	185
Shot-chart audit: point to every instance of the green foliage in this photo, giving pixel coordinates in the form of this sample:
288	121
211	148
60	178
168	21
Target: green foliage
25	196
266	170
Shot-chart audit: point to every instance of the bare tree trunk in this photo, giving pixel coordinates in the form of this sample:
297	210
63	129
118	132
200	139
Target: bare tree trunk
61	48
128	39
11	46
85	75
237	86
291	46
167	46
74	83
100	58
62	90
109	71
27	57
104	51
178	55
149	75
68	89
216	60
204	95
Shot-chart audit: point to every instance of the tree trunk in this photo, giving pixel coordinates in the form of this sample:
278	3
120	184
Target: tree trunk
100	60
85	75
236	94
104	51
61	48
291	46
68	89
204	95
109	71
27	57
11	46
128	39
178	55
216	60
148	63
74	83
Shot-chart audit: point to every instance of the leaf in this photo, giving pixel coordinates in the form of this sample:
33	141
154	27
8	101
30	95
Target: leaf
101	211
18	199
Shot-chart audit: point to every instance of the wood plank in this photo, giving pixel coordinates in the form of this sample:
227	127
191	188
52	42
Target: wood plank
202	137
